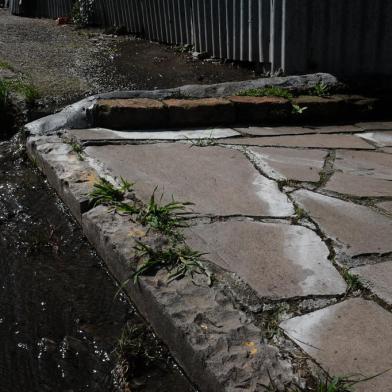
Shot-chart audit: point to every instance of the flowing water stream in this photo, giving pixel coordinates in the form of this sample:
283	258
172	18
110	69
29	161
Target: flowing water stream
60	320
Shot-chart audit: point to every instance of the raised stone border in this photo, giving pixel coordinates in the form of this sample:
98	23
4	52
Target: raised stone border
76	115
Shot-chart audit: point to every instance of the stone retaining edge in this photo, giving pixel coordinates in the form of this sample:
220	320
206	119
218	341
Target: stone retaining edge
75	116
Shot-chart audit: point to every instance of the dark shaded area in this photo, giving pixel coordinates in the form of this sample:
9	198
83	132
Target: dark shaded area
59	319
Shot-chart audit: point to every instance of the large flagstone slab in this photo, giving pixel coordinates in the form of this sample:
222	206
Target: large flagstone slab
362	173
351	338
356	229
307	141
289	163
277	260
219	181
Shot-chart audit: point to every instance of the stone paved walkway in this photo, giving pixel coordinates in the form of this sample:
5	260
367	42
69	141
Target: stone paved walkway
294	214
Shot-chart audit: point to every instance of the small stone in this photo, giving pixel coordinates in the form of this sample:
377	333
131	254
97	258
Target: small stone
355	228
378	278
351	338
277	260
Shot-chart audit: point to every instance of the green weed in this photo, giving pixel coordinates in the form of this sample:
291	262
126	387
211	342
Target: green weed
77	148
320	90
107	194
296	109
27	90
267	92
353	281
178	259
164	217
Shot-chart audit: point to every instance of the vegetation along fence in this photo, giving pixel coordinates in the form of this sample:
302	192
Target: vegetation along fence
294	36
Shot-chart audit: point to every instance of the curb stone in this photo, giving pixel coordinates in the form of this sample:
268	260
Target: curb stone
77	116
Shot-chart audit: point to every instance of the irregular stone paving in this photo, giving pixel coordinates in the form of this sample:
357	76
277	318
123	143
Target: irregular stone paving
353	337
356	229
278	260
219	181
273	241
308	141
289	164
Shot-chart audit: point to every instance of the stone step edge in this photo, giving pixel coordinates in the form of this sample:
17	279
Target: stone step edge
147	113
228	359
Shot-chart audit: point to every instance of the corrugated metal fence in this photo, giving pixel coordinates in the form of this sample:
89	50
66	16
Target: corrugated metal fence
296	36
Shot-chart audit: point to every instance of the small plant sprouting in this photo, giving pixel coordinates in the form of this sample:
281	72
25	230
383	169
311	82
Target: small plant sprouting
320	90
178	259
272	91
107	194
300	213
77	148
166	218
353	281
296	109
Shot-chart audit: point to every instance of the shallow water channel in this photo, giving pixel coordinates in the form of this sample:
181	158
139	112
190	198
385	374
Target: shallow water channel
60	321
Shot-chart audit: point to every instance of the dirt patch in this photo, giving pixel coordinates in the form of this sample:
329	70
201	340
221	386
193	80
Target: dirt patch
66	64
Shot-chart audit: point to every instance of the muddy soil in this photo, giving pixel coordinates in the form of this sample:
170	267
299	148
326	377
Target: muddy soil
66	64
60	319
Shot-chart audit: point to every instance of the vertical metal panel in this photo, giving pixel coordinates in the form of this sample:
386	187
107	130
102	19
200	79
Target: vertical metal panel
296	36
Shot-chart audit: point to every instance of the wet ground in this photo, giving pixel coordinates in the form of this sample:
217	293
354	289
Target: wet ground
60	321
66	64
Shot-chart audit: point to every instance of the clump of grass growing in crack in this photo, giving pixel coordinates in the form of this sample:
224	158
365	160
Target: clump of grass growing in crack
77	148
272	91
205	142
353	281
178	259
107	194
166	218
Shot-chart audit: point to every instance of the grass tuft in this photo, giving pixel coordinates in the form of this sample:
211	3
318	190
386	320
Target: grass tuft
5	65
178	259
107	194
320	90
166	218
353	281
267	92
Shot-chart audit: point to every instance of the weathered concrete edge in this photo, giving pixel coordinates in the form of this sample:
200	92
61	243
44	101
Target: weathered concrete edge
74	116
230	357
